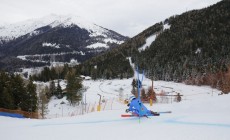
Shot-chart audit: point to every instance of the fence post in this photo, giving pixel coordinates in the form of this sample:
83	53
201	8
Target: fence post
99	104
151	102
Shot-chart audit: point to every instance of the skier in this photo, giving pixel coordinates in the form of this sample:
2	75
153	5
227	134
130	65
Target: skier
138	109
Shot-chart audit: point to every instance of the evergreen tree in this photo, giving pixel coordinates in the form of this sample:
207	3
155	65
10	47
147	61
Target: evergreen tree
151	94
6	96
134	86
58	92
31	90
7	99
94	74
73	88
18	90
52	88
53	74
143	95
134	83
2	83
29	102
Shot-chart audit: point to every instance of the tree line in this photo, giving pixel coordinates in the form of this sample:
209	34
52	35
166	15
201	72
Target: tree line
16	93
195	50
19	93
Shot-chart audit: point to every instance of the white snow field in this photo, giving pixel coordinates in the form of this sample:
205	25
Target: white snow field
202	115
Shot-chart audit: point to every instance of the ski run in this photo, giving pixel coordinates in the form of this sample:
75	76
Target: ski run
202	114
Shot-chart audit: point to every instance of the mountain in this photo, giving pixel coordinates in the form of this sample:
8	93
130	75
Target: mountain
54	38
192	47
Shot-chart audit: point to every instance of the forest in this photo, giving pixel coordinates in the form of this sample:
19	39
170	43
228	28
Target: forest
194	50
16	93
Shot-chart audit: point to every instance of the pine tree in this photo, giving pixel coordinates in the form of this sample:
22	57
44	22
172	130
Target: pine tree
18	90
151	94
58	92
7	99
52	88
134	83
6	96
134	86
2	83
143	95
94	74
29	102
73	88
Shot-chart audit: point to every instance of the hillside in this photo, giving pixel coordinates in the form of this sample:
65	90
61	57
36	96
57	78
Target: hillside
192	47
53	39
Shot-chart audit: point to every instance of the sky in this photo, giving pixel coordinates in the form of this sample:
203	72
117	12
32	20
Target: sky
127	17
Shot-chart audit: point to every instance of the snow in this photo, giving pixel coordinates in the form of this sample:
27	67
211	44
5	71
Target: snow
25	57
166	26
104	45
54	45
198	51
11	31
73	62
152	38
97	45
109	40
202	115
148	41
22	28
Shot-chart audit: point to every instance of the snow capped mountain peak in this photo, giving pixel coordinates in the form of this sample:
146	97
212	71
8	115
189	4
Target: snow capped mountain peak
55	35
21	28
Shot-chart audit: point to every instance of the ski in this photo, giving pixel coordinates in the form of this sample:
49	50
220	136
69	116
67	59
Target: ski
130	115
162	112
127	115
154	114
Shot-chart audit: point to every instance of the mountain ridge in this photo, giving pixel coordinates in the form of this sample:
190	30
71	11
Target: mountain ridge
70	33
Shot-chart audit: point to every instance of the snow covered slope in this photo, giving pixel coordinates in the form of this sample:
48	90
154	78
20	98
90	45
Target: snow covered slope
33	39
202	115
29	26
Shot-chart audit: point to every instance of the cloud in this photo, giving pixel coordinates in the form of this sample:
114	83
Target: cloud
128	17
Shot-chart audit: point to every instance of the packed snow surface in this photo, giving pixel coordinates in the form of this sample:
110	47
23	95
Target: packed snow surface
201	115
148	41
97	45
152	38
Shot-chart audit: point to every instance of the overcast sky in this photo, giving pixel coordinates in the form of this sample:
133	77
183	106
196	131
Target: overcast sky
127	17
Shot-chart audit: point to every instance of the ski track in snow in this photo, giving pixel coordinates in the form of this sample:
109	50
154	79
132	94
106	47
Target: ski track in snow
198	123
174	121
202	115
86	122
